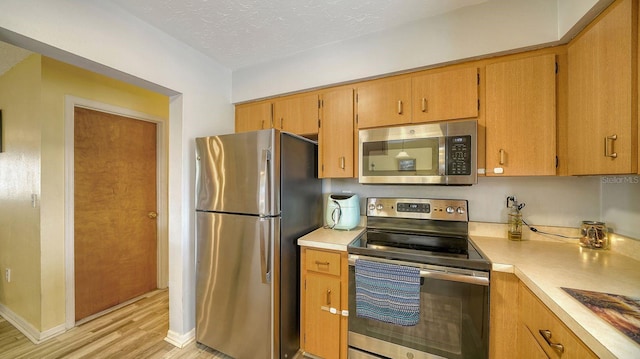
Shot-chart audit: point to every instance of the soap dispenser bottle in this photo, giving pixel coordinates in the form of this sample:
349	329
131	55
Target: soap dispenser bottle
515	219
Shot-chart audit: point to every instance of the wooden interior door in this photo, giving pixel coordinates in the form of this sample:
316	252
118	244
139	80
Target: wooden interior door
115	203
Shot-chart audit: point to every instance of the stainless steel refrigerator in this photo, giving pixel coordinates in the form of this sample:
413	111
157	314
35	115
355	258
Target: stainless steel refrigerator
256	193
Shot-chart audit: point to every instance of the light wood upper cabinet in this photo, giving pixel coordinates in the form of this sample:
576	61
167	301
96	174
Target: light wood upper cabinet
602	114
384	102
297	114
336	135
253	116
521	116
445	95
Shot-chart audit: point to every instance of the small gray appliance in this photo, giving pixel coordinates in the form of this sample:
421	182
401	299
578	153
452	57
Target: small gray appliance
343	211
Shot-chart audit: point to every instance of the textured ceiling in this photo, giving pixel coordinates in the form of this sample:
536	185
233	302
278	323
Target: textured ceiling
240	33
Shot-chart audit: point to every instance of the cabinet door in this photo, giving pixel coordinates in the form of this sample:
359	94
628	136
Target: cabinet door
521	117
560	342
384	103
445	95
297	114
253	116
528	347
602	119
322	329
335	138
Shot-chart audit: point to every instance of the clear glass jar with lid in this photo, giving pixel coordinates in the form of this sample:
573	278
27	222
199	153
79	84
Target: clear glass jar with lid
594	234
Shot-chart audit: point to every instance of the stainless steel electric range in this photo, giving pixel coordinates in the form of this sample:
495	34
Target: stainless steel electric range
431	235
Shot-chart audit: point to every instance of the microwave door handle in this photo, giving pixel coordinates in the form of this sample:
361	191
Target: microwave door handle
442	155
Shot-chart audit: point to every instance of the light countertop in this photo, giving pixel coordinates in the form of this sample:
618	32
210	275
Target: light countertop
324	238
545	267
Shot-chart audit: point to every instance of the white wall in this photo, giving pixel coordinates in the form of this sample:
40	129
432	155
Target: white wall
571	11
621	204
492	26
100	37
550	201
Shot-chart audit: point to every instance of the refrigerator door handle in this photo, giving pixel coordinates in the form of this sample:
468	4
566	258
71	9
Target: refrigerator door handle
265	250
264	175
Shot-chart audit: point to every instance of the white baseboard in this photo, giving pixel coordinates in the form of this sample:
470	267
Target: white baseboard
180	340
29	331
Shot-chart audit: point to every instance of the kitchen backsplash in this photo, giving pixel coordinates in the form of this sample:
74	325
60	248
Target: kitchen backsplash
550	201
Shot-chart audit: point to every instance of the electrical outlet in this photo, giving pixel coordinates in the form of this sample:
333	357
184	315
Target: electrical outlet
7	275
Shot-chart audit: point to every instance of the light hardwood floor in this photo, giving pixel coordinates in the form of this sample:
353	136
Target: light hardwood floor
134	331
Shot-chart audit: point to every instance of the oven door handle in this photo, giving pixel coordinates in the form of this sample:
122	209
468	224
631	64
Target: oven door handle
432	274
454	277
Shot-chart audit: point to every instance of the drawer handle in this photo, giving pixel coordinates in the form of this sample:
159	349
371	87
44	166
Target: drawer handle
546	334
399	107
322	263
329	297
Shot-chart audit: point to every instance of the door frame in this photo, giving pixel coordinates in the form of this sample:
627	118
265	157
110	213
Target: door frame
162	190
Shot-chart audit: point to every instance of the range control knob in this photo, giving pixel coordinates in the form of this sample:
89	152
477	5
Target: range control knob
450	209
379	207
372	206
460	210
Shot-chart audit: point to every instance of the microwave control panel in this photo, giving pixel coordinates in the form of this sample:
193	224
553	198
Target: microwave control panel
458	155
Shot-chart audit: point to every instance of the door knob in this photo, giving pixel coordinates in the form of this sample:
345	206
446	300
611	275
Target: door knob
152	215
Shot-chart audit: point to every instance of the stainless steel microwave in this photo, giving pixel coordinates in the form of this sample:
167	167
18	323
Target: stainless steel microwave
443	153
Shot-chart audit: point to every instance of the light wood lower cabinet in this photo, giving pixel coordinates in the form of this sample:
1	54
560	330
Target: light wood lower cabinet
324	295
519	323
528	348
555	339
503	302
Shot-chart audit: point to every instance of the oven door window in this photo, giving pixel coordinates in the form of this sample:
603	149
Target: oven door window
415	157
453	321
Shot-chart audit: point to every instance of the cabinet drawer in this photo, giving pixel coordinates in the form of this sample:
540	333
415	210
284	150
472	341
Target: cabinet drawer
323	262
560	342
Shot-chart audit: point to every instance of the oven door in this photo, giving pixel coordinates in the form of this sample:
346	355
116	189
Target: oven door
454	317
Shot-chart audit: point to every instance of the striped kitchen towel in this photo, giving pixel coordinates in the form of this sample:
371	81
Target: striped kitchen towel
387	292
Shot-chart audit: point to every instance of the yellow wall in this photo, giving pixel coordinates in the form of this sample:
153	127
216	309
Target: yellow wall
19	179
42	125
58	80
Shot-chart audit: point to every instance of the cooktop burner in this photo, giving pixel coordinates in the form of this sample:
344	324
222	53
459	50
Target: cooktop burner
430	231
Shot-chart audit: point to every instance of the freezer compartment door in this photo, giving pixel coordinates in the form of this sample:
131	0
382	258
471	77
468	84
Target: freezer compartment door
239	173
234	283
